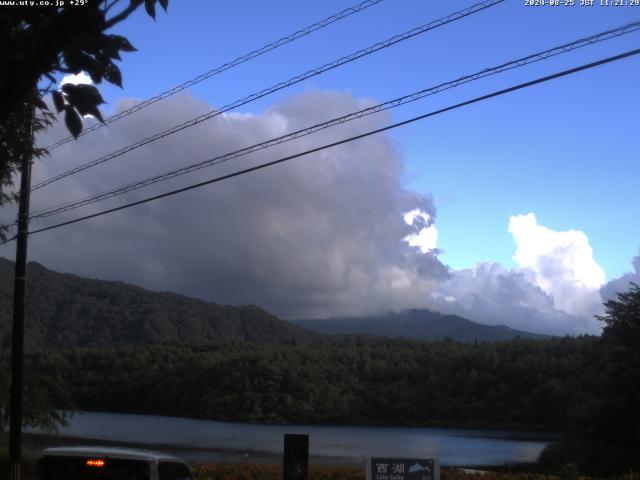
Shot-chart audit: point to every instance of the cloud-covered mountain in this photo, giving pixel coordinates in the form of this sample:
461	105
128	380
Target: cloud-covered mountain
416	324
332	234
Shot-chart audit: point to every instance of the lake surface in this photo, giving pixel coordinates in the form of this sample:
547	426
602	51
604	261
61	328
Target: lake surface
202	441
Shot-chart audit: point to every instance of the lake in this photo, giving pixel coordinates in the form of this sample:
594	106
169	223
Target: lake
204	441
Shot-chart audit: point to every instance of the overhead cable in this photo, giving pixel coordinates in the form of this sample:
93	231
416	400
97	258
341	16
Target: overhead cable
396	102
346	140
279	86
226	66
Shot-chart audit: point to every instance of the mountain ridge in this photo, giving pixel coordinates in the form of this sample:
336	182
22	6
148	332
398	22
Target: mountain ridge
416	324
69	311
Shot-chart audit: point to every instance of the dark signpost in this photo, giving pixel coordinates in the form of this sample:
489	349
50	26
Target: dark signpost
404	469
296	457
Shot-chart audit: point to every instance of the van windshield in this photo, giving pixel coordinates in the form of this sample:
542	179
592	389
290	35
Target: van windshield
83	468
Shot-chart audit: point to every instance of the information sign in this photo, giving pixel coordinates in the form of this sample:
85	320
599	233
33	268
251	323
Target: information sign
404	469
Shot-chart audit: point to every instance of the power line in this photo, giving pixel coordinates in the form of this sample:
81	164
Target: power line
226	66
292	81
346	140
568	47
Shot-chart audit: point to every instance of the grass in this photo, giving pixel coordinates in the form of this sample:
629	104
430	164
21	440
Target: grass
249	471
226	471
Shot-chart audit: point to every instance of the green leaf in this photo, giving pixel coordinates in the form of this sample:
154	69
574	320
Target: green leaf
58	100
122	43
150	7
164	4
85	99
78	60
73	121
109	52
86	94
112	75
90	110
68	88
71	59
96	74
96	113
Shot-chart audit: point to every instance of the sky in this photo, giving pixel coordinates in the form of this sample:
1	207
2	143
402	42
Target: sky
519	210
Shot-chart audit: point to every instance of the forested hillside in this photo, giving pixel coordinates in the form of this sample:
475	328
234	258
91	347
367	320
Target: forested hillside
109	346
522	384
68	311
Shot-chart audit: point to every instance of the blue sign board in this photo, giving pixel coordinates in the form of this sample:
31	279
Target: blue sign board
404	469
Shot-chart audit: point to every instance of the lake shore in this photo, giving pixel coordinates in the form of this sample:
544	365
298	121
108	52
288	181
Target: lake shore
35	443
205	441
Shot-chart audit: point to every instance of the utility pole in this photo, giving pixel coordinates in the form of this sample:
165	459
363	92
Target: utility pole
17	341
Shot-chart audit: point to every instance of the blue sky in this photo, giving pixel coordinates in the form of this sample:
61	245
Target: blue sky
533	193
566	150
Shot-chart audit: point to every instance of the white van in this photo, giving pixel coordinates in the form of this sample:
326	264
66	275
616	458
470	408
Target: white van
109	463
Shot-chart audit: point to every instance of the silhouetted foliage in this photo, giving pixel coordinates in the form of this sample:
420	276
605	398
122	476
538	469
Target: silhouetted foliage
15	142
36	44
603	436
47	398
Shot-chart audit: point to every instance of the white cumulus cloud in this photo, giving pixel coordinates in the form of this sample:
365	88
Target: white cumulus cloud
554	289
427	235
561	263
80	78
491	294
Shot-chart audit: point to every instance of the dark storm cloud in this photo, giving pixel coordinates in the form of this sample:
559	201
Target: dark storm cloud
321	235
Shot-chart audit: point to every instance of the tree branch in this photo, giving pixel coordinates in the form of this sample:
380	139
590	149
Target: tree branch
122	15
110	5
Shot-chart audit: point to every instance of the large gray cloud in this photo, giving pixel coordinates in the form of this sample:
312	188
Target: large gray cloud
321	235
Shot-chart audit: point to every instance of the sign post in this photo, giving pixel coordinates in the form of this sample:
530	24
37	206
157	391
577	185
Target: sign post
296	457
403	469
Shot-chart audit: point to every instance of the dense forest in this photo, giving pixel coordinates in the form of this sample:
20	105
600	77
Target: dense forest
243	364
586	387
523	384
68	311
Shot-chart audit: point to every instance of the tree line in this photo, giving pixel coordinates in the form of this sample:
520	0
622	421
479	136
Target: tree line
242	364
519	384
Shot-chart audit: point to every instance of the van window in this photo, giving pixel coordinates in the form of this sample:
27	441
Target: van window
76	468
173	471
